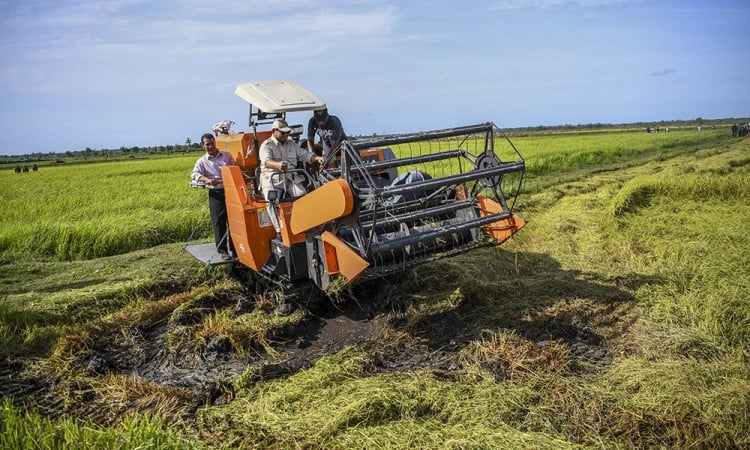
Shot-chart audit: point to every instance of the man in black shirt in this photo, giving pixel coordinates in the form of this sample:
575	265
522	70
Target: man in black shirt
329	130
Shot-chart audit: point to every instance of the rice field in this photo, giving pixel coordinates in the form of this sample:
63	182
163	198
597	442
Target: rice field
617	318
94	210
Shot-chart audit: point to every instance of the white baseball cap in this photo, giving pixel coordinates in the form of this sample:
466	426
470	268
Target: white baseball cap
281	125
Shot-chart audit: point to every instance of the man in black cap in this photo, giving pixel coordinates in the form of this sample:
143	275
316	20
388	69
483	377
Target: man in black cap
329	130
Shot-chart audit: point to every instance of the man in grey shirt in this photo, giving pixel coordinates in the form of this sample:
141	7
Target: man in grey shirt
278	155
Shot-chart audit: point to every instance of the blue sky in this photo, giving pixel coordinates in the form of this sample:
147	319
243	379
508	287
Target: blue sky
112	73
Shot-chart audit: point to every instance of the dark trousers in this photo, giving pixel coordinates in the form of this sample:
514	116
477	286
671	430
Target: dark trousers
218	209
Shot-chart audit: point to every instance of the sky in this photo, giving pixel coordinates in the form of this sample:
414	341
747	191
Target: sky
107	74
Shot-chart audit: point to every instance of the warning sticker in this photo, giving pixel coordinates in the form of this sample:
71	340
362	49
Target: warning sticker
263	219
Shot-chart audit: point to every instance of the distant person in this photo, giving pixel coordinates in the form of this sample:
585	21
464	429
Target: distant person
278	154
18	169
208	170
25	168
735	130
34	167
329	130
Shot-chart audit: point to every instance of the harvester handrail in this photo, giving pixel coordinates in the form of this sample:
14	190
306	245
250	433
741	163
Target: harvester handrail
362	144
400	162
435	183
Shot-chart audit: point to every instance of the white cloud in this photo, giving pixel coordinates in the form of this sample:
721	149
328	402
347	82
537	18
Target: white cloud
551	4
131	43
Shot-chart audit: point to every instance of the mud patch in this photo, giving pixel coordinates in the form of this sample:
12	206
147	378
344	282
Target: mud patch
587	349
166	361
207	365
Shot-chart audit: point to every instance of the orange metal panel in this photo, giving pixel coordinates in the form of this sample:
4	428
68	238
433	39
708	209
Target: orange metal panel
249	226
328	202
237	144
285	214
251	156
501	230
340	258
242	146
373	155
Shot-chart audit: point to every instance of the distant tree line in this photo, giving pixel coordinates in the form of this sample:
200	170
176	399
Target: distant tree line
89	153
634	125
189	146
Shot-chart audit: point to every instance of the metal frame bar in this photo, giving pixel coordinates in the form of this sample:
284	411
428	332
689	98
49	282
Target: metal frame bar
361	144
399	162
424	213
447	181
400	243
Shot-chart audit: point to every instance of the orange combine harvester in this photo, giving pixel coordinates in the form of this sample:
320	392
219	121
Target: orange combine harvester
377	206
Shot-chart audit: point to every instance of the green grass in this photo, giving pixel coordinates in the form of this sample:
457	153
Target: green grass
105	209
337	405
555	159
40	299
28	430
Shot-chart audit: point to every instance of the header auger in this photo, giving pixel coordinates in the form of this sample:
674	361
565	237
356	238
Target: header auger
377	206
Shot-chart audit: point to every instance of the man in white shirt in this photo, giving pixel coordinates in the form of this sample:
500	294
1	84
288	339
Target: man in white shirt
208	170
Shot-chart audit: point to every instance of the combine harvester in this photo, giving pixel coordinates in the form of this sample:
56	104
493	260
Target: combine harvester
377	206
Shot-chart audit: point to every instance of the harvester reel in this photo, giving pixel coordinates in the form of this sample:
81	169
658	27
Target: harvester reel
487	161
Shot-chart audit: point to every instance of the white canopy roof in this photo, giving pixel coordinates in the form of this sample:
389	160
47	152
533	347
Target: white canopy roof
278	96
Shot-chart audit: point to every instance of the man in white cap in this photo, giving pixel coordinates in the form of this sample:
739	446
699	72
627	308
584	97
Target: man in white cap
277	155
